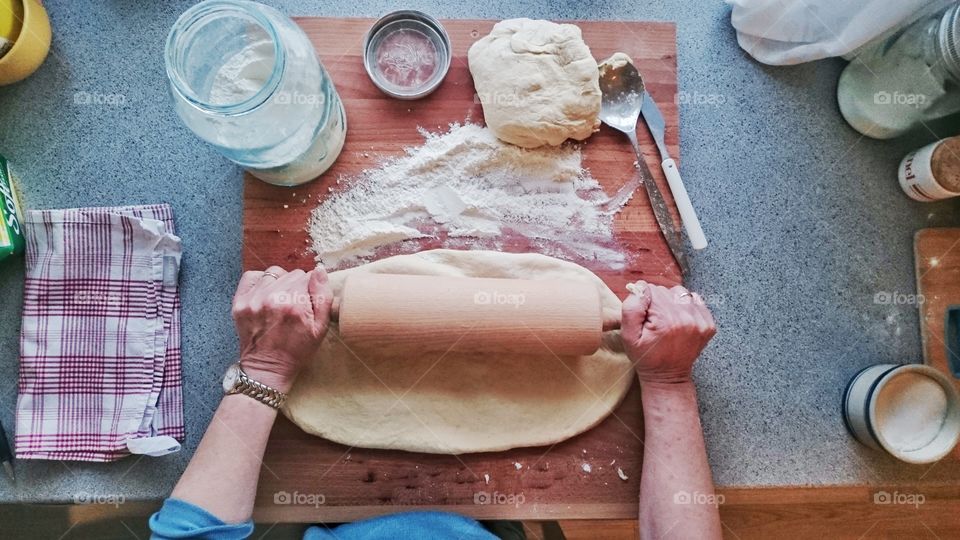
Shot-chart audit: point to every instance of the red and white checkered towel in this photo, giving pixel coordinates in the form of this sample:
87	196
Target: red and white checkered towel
100	341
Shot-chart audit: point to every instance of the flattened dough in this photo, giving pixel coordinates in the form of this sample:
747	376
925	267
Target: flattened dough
460	403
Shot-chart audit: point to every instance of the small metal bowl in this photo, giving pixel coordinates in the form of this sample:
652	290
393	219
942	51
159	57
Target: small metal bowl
407	54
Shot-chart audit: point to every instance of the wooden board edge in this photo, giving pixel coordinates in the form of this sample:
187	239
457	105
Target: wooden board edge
927	342
343	514
833	494
864	495
918	238
671	24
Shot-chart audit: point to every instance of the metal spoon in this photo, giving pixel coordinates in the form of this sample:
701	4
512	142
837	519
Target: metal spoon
623	95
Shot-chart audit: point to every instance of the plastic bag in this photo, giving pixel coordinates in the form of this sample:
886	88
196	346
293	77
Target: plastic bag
783	32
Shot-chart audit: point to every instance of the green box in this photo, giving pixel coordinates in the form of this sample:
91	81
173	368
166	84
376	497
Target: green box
11	218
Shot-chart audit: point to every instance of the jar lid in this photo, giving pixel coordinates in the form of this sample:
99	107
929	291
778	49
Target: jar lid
950	40
407	54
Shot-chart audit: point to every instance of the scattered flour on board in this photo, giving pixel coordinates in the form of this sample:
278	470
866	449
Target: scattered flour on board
465	183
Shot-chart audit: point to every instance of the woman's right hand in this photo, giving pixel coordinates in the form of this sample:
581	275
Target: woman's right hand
664	330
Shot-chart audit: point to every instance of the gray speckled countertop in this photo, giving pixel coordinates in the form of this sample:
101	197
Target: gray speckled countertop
806	221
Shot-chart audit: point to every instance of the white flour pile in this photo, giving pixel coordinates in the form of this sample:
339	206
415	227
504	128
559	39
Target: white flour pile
910	411
466	184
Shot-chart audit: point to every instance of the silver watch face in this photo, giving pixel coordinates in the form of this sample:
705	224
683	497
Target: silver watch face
231	377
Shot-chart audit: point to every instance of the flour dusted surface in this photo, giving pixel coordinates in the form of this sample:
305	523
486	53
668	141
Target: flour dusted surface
466	184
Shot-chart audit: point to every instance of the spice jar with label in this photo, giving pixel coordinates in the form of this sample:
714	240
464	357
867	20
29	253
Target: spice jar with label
932	173
246	79
11	218
907	79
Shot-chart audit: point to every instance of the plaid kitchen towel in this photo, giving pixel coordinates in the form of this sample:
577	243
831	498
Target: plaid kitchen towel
100	339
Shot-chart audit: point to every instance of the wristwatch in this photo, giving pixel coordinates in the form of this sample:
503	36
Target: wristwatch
236	381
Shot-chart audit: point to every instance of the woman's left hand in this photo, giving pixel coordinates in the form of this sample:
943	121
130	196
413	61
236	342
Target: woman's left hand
282	318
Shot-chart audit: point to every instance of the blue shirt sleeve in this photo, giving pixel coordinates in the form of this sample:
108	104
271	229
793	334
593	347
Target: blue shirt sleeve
406	525
180	519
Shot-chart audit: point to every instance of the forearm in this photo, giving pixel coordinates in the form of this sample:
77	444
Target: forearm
676	489
222	476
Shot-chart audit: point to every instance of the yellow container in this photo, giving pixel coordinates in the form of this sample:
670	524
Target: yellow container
31	46
11	18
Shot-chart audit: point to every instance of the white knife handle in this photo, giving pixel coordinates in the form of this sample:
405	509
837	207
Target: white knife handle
687	214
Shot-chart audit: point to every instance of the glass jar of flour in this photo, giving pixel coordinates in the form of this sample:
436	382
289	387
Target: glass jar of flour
246	79
909	78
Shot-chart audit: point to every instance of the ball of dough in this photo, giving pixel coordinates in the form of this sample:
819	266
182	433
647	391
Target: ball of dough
537	82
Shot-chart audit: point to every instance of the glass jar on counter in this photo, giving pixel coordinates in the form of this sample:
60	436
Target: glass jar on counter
246	79
907	79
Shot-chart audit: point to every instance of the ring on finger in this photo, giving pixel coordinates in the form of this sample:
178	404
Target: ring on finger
686	294
271	274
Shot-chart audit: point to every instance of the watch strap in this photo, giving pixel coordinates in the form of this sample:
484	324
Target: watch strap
258	391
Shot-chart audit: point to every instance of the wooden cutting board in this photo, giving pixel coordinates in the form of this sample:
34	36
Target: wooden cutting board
535	483
937	259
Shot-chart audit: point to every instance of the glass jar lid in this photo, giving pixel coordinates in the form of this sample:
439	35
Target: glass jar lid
950	40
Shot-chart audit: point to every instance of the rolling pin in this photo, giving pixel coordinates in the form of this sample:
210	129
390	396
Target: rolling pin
486	315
